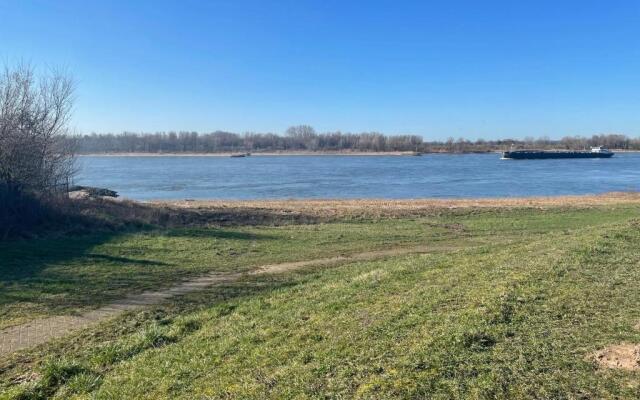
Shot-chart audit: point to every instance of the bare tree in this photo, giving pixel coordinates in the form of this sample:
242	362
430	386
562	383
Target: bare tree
35	153
36	156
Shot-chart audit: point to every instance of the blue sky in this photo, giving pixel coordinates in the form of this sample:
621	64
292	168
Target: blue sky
472	69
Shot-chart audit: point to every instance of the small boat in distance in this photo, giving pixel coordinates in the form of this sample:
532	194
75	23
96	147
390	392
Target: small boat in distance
596	152
240	155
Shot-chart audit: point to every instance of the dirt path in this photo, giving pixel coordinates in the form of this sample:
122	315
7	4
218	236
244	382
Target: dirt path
42	330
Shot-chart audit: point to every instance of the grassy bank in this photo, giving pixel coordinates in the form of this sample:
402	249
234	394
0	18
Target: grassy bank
509	302
66	274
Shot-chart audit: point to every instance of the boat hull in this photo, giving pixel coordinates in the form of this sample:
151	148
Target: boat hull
544	155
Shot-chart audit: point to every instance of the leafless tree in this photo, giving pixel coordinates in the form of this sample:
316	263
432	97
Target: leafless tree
35	153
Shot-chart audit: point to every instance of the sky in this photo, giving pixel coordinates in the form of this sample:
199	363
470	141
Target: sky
490	69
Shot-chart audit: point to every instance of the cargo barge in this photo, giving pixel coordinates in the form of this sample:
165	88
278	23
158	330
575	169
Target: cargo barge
596	152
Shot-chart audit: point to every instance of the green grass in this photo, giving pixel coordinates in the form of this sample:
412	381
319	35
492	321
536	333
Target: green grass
63	275
510	304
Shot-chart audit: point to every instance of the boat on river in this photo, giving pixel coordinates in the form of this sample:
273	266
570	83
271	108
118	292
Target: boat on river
595	152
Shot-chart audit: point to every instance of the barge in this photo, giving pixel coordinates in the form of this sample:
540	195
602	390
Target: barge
596	152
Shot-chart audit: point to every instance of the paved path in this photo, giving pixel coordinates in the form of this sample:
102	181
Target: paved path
42	330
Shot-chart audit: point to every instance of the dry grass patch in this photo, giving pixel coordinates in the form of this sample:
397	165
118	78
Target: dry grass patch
332	209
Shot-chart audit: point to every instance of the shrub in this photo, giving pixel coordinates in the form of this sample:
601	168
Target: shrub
36	156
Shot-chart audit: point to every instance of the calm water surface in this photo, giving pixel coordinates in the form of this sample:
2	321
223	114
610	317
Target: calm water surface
282	177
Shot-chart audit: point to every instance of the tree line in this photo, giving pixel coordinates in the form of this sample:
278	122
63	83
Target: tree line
305	138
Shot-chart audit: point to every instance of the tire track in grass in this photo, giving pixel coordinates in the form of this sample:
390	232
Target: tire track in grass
42	330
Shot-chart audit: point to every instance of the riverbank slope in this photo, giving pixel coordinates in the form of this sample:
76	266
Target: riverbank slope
505	298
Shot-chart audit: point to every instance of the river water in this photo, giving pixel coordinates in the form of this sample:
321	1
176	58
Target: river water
335	177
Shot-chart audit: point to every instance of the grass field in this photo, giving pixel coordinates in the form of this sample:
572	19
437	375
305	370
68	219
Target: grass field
509	303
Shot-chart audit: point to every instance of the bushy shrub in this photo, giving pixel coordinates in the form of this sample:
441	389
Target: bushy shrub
36	156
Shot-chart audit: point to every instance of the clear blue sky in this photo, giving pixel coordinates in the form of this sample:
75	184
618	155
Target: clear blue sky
442	68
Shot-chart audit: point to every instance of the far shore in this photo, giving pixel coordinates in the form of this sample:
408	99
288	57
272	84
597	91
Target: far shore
299	153
263	154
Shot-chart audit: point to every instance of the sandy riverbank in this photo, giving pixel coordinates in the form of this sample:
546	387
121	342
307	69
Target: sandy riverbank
381	207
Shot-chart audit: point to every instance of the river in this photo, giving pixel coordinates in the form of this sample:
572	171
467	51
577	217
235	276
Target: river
336	177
